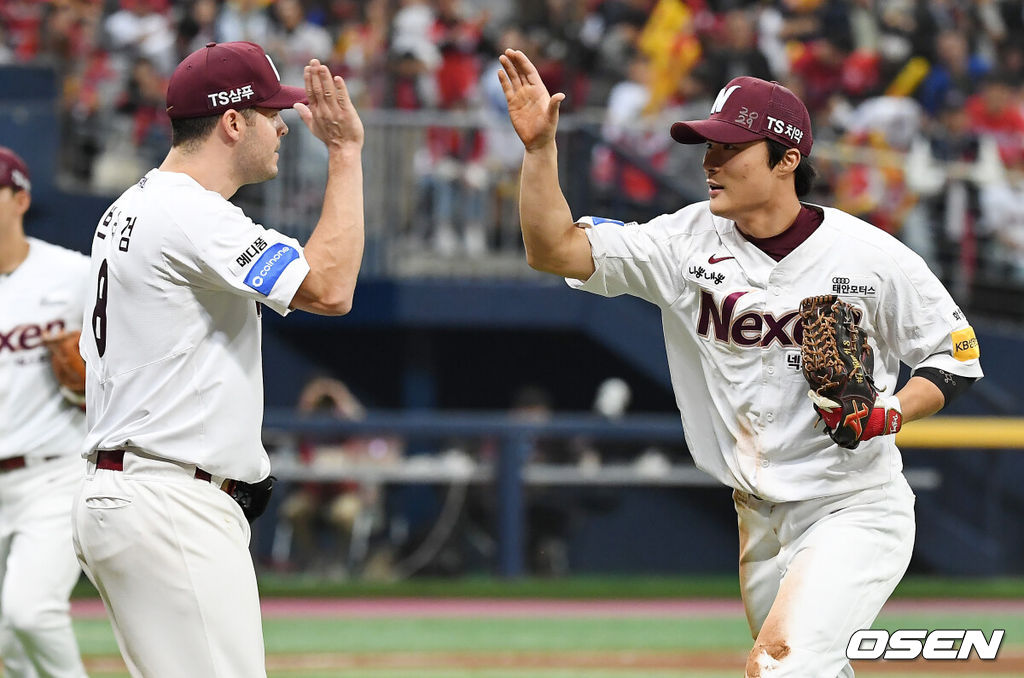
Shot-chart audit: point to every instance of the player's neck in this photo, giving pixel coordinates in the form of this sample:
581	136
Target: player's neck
769	220
13	249
205	168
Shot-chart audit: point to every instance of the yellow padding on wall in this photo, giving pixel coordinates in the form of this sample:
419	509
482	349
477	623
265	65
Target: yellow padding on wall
987	432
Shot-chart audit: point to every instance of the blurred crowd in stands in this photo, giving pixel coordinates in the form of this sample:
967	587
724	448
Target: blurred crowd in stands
918	108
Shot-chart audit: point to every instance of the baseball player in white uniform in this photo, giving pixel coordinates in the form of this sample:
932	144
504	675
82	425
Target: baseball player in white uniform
174	381
41	433
826	532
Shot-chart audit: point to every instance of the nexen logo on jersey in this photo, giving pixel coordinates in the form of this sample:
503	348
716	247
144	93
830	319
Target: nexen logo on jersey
747	329
28	337
268	268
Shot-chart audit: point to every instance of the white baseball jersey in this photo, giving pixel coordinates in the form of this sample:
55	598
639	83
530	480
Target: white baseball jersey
43	295
172	349
730	316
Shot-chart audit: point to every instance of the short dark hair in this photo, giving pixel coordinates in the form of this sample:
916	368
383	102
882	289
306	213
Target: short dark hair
186	132
803	177
189	132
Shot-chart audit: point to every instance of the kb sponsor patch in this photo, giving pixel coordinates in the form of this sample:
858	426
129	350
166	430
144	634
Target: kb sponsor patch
965	344
268	268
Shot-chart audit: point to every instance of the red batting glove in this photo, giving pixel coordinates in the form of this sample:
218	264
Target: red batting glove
886	417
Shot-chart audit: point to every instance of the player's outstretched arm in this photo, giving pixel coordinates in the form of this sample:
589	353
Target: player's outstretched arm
335	249
920	398
553	243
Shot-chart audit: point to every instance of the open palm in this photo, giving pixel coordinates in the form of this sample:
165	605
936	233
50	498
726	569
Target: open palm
330	114
534	112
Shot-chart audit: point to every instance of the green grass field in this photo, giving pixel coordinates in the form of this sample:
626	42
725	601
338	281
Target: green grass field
713	645
295	647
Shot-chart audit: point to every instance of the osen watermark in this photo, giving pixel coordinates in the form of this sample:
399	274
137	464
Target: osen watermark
940	644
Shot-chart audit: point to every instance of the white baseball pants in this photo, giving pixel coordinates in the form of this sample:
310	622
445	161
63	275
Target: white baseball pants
38	570
169	555
813	572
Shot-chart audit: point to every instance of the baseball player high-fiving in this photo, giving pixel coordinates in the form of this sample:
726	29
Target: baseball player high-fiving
174	392
826	530
41	433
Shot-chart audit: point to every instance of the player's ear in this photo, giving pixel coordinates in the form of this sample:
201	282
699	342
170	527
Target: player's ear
790	161
22	201
232	122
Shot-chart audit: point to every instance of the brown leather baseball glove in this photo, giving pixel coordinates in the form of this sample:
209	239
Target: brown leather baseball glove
67	364
838	363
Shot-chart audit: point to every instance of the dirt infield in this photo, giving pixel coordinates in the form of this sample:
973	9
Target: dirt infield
632	660
460	662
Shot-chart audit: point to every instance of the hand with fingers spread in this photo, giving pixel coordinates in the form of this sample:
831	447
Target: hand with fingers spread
534	112
330	115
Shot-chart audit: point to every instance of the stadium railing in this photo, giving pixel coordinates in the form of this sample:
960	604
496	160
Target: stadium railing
513	470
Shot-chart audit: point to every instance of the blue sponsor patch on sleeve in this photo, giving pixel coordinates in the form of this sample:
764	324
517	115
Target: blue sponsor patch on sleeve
268	268
602	220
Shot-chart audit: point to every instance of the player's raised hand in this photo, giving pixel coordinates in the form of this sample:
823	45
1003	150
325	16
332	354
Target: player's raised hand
534	112
330	115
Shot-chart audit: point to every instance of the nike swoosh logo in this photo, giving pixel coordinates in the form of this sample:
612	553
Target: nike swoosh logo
714	260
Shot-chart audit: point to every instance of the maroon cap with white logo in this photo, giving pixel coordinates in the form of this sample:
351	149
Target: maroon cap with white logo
13	170
748	109
227	75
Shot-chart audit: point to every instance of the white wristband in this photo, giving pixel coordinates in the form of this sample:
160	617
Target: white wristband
892	411
72	397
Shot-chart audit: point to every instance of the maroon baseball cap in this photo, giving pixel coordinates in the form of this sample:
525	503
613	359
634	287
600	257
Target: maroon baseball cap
227	75
13	170
748	109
